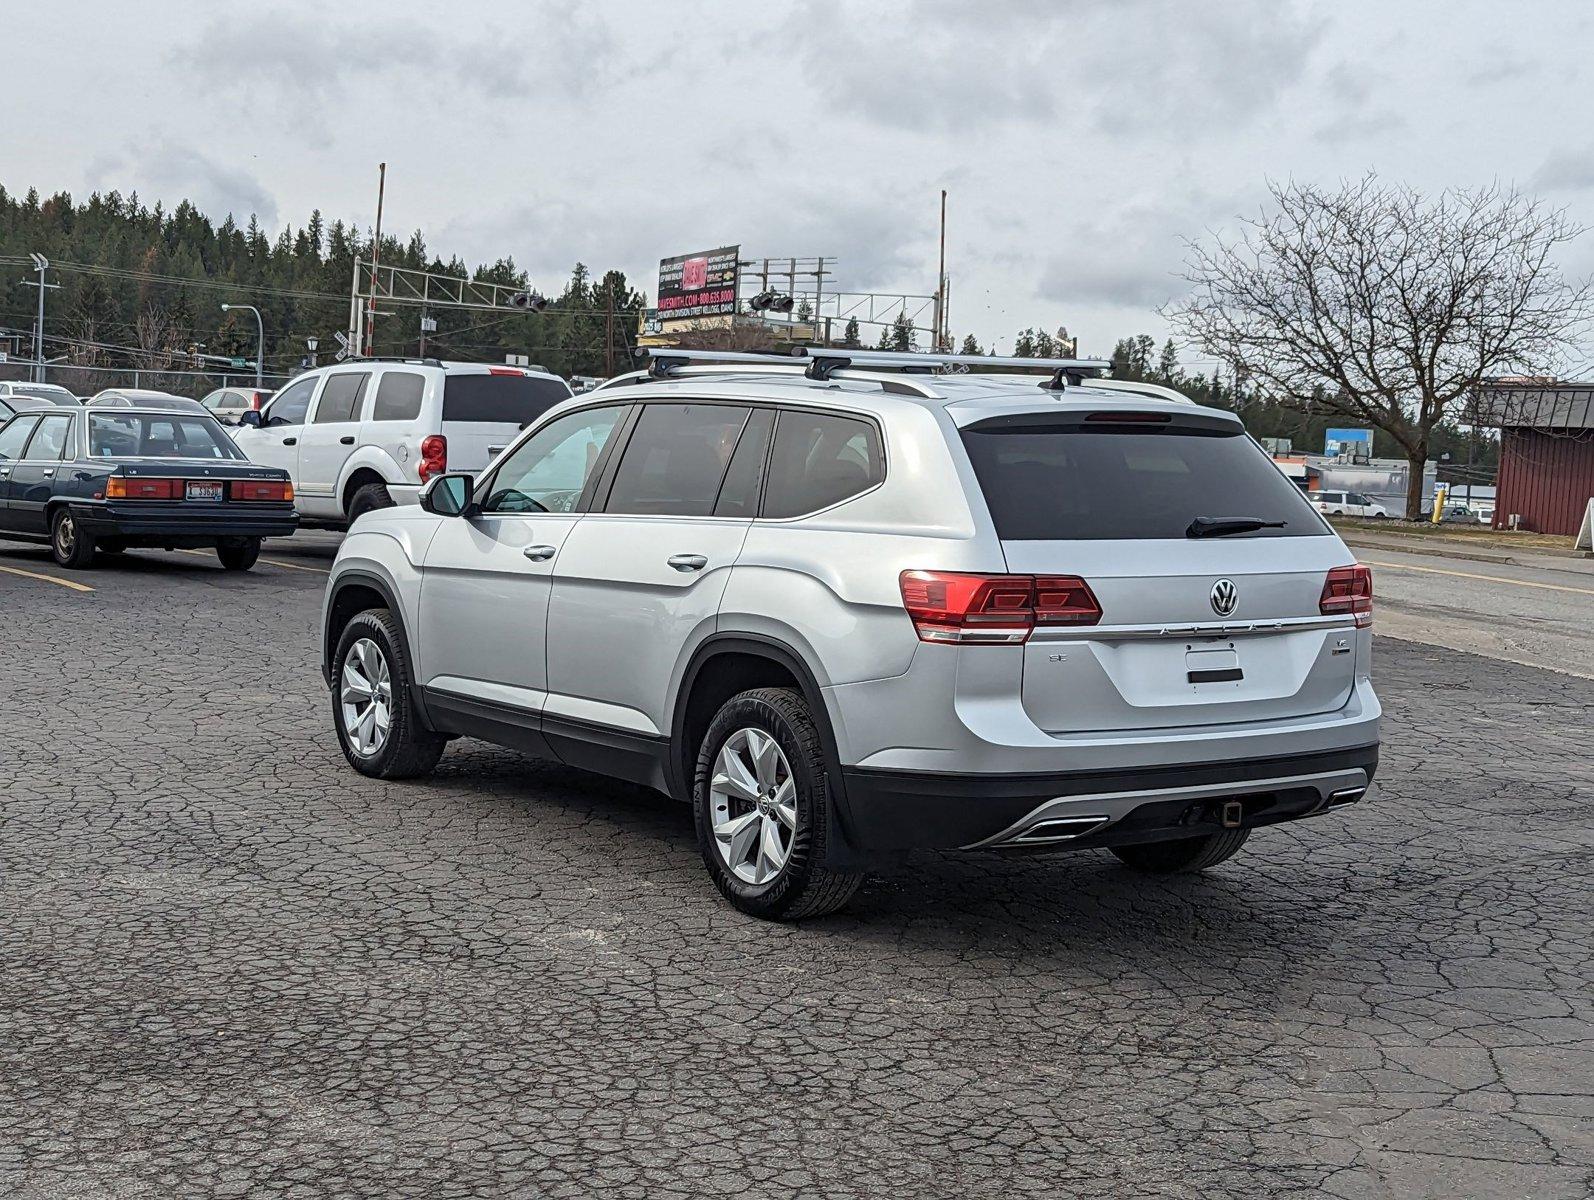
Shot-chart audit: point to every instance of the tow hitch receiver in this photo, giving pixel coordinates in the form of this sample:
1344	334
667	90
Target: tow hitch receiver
1233	814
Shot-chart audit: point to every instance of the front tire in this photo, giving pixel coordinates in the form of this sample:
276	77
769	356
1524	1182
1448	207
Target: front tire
761	801
70	545
368	498
238	554
373	705
1182	855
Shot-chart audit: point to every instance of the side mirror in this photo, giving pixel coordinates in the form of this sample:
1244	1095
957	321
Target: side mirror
450	495
250	417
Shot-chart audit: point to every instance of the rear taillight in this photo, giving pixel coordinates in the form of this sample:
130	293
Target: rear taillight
257	401
126	487
947	606
434	456
271	490
1348	590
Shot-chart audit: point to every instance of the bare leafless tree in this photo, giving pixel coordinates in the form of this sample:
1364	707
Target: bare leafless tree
1391	306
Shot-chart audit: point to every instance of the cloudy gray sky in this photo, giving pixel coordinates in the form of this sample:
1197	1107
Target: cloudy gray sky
1080	139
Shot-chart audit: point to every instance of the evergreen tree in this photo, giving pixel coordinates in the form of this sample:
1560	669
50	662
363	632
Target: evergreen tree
850	338
970	345
903	335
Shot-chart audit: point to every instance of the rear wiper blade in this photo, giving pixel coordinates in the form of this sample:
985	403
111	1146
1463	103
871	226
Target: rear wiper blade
1221	526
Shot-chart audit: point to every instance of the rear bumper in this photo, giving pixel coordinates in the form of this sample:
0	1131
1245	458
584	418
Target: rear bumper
136	523
889	811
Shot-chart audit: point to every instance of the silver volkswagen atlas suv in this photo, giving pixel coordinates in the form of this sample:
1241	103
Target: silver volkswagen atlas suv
847	607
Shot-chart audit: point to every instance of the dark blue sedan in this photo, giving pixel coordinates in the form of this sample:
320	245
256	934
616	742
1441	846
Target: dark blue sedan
103	480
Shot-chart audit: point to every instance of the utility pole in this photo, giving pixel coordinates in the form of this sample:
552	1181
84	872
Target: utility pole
376	255
40	266
940	282
608	326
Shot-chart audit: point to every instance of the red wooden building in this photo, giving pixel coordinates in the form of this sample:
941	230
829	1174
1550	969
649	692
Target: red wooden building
1546	452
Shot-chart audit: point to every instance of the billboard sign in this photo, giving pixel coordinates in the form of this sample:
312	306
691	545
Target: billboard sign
699	285
1355	442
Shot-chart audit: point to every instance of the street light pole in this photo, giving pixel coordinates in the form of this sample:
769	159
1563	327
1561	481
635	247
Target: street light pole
260	346
40	266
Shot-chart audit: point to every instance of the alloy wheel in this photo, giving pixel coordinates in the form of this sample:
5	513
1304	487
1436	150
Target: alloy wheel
366	697
753	800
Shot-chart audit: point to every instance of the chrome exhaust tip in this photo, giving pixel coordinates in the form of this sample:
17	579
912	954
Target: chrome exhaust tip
1346	796
1057	829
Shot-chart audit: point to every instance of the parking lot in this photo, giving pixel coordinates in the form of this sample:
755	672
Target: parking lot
231	966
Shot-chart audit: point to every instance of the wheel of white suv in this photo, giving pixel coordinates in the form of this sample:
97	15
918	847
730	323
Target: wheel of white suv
1183	855
368	498
760	799
373	708
238	554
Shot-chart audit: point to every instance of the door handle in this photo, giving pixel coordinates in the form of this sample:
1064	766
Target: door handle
687	562
49	472
540	553
290	441
346	441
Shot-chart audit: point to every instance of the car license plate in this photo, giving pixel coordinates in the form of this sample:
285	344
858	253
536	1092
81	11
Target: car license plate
204	491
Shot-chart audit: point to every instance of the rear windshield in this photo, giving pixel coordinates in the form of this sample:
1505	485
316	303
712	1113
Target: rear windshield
151	435
513	399
1067	482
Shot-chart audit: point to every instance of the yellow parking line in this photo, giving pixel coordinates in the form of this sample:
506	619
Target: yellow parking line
66	583
1549	587
275	562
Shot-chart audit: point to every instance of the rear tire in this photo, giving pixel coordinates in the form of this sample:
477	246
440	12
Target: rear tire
782	794
70	546
1182	855
368	498
380	670
238	554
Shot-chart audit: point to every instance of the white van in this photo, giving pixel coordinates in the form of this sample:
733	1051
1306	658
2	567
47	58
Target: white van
369	433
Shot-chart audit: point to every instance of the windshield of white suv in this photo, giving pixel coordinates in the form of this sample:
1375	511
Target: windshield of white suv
1047	482
513	399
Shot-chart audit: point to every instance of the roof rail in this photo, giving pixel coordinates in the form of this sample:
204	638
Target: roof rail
400	358
824	360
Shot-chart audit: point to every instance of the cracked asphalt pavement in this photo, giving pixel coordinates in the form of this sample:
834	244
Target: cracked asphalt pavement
229	966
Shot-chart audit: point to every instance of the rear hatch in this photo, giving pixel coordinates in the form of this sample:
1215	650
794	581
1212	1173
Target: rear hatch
1194	629
483	410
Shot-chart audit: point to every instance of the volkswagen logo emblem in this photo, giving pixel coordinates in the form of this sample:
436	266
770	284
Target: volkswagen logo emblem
1224	597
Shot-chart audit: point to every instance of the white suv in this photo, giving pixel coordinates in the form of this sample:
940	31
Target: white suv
847	613
369	433
1347	504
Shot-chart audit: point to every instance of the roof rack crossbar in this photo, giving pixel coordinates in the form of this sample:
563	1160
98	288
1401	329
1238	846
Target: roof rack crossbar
920	360
661	361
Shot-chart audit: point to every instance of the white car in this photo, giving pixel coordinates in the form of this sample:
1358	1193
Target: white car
1347	504
370	433
52	393
228	404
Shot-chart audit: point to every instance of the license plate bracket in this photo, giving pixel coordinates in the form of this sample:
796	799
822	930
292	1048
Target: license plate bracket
203	490
1213	666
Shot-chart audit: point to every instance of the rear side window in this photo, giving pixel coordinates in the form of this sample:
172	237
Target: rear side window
49	438
1072	482
819	460
15	436
398	396
675	460
340	399
513	399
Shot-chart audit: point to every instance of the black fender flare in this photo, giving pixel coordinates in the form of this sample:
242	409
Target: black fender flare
678	772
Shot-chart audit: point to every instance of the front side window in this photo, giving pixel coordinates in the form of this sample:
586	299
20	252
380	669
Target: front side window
398	396
15	436
549	470
676	459
819	460
291	404
159	435
340	399
49	439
